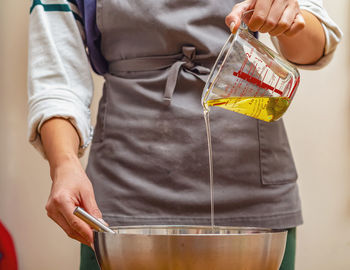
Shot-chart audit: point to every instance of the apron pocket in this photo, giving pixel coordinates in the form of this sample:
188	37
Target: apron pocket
276	161
99	131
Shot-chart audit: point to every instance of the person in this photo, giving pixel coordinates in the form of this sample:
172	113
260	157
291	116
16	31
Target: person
148	162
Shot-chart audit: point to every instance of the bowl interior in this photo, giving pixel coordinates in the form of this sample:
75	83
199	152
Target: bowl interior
190	248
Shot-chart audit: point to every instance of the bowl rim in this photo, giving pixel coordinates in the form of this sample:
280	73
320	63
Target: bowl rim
155	230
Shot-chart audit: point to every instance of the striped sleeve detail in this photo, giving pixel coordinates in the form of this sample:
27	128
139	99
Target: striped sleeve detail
77	16
68	6
62	6
49	7
76	12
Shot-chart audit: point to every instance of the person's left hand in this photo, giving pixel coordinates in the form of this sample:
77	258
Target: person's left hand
275	17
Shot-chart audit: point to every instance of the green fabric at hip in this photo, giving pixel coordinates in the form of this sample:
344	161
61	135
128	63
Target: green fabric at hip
288	262
89	262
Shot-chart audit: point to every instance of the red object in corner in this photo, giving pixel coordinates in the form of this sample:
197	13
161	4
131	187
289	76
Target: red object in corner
8	259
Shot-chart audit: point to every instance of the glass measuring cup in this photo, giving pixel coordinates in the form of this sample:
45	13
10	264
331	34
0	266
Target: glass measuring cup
250	78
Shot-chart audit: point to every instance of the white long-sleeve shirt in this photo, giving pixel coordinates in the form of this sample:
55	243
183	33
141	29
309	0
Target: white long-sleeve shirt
59	79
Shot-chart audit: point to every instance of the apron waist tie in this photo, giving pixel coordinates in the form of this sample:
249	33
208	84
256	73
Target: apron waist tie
185	61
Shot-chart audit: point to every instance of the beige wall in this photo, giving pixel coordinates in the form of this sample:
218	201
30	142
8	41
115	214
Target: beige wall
319	130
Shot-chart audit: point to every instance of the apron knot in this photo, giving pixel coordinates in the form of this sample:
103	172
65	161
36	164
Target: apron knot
187	60
188	56
188	64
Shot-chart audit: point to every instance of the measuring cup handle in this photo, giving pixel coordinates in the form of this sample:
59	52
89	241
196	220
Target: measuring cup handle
245	13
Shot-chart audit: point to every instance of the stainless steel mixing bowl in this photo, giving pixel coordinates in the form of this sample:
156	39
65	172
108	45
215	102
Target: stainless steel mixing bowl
190	248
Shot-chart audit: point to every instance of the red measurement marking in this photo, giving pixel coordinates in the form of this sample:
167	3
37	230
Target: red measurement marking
295	87
257	91
229	90
277	84
255	81
217	104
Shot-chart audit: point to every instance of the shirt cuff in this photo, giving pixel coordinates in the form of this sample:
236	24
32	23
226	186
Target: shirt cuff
63	106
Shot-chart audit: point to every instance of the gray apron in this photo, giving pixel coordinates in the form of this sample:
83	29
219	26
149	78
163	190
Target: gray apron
149	157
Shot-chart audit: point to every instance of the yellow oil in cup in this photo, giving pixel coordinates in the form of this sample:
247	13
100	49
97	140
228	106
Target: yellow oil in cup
263	108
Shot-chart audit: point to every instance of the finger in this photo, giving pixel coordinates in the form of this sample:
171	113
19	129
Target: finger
89	203
276	12
285	22
61	221
233	20
75	223
297	26
261	11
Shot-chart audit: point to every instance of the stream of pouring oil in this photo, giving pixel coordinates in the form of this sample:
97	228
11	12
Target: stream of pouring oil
211	175
264	108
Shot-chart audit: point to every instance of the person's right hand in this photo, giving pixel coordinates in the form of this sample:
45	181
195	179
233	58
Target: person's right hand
276	17
71	188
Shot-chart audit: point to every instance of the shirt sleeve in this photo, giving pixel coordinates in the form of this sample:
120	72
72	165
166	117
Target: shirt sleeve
332	32
59	78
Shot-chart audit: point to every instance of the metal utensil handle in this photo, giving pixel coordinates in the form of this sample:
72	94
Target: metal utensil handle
92	221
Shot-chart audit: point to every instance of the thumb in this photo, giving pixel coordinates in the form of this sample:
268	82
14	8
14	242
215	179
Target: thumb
234	19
